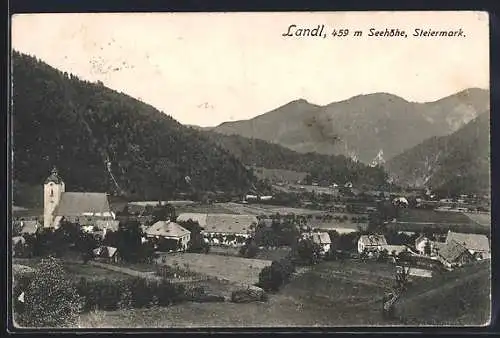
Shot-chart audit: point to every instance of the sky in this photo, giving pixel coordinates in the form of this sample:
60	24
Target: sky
207	68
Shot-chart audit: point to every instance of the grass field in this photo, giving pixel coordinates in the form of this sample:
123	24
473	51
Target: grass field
77	270
264	209
235	269
328	294
216	208
481	219
431	216
416	220
461	297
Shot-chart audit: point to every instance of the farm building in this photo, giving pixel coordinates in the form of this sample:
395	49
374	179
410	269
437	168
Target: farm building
476	244
109	225
169	230
323	239
29	227
228	229
80	207
200	218
420	244
395	249
454	254
371	242
16	242
343	227
107	254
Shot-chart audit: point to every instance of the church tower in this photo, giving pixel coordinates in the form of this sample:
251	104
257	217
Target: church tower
52	191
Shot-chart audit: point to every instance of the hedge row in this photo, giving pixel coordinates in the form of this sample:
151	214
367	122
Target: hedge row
105	294
137	292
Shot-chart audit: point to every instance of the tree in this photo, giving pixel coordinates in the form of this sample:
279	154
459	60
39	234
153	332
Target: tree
383	255
163	213
308	251
51	299
427	248
249	250
197	240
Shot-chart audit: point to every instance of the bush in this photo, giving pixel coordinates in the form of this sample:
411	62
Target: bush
272	277
250	250
51	300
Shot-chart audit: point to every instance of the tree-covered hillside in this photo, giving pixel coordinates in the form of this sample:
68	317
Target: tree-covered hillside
327	168
60	120
454	164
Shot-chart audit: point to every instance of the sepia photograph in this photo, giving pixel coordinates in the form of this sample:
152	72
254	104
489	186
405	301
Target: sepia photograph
250	170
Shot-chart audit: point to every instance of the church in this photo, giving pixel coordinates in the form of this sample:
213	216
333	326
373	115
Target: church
85	208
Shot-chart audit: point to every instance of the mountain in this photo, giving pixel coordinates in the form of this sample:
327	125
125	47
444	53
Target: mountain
327	168
362	126
459	162
77	126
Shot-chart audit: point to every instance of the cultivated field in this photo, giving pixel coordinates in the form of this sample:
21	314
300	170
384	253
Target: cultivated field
431	216
481	219
264	209
216	208
442	221
234	269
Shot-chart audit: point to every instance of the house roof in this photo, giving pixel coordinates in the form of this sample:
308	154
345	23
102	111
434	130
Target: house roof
18	239
229	223
452	251
420	238
105	251
373	240
201	218
396	248
321	238
167	229
472	242
83	204
107	224
438	245
30	227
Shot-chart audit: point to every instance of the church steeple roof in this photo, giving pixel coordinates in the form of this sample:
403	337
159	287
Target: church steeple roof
54	177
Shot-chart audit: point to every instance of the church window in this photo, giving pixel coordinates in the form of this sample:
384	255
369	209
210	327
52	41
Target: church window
51	193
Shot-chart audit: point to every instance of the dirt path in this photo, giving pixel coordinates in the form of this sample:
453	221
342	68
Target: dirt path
142	274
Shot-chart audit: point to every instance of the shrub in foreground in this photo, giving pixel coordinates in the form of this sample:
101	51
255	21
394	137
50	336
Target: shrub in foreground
50	299
137	292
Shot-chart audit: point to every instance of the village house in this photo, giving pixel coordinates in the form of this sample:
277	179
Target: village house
17	242
29	227
107	254
395	250
171	231
78	207
454	254
421	243
478	245
223	229
373	242
323	240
